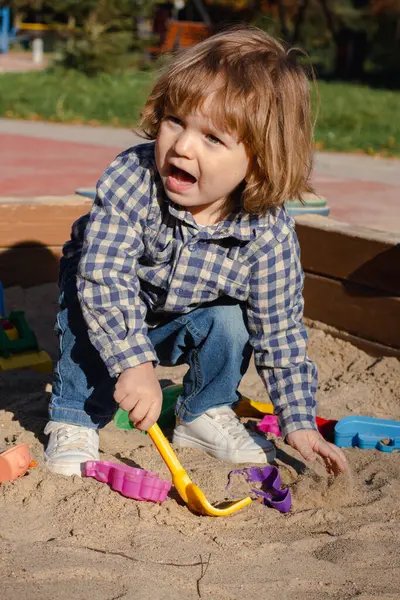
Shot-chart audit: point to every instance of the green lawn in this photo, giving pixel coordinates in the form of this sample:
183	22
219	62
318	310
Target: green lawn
355	117
351	117
67	96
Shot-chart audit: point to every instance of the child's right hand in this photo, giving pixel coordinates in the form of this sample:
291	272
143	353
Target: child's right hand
138	392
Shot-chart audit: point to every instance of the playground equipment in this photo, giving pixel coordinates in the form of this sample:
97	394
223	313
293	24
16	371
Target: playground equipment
7	34
180	35
18	344
26	32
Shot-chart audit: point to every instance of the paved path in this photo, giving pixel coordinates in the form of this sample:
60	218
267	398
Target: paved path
19	62
43	159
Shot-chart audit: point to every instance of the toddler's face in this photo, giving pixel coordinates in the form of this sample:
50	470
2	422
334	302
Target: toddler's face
199	165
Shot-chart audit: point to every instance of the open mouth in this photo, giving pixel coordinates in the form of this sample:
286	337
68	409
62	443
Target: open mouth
181	175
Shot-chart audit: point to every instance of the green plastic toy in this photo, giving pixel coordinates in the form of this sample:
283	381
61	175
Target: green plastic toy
23	341
18	344
244	408
167	417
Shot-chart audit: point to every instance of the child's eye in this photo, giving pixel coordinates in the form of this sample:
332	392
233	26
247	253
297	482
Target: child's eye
173	119
213	139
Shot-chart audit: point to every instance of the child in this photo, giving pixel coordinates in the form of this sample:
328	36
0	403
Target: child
188	256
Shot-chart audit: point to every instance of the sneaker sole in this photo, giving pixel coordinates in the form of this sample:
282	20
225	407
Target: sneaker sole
66	468
263	456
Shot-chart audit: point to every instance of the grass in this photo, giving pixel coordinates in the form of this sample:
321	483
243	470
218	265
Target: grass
70	97
358	118
351	117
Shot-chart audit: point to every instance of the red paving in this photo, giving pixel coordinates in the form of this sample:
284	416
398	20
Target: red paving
369	203
17	62
31	166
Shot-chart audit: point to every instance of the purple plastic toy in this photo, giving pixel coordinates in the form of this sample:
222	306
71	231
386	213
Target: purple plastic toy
270	494
128	481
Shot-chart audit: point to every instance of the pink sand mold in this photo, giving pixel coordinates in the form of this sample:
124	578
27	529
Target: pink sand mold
137	484
269	424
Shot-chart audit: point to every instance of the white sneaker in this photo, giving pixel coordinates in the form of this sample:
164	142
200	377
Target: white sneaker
220	433
69	446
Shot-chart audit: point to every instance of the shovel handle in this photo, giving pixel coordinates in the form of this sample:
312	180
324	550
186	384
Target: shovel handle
164	448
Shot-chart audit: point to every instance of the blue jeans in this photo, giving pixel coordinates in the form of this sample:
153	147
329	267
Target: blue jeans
213	340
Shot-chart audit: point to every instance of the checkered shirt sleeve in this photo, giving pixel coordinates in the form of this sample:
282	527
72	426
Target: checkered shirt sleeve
279	337
108	288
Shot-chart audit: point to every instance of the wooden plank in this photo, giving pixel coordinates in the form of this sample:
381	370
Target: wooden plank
48	224
29	265
371	348
328	248
359	310
32	234
350	312
344	251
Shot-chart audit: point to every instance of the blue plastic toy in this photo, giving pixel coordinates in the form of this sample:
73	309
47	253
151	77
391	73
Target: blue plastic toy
87	193
312	206
368	433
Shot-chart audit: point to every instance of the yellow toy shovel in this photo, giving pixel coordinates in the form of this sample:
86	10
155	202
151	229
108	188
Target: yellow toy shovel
190	493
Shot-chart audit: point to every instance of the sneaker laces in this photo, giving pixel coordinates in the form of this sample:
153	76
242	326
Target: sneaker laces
69	437
230	423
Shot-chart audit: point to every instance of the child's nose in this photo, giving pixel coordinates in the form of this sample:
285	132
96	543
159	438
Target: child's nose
184	145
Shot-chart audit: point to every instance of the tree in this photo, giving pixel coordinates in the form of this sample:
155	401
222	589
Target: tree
349	23
100	34
103	33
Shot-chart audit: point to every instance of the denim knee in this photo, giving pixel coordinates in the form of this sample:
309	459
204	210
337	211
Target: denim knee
217	360
228	325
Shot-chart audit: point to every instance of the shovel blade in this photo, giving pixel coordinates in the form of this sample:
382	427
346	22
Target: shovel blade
198	502
190	493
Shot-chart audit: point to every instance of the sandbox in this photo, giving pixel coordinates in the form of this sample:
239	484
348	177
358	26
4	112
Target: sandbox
73	539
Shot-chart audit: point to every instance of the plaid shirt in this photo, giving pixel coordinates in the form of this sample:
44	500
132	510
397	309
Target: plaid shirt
139	252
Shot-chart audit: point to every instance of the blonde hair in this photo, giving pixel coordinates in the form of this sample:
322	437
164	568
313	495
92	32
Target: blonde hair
261	94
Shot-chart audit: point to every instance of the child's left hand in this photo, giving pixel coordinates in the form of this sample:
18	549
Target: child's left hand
310	443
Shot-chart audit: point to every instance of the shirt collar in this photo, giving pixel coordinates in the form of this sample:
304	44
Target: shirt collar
240	225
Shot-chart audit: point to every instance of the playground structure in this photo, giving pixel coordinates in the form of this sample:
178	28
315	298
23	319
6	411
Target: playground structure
24	32
180	35
7	33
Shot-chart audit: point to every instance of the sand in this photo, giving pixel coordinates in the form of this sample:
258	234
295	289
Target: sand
76	539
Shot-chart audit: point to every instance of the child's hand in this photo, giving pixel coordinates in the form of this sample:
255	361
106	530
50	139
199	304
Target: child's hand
138	391
310	443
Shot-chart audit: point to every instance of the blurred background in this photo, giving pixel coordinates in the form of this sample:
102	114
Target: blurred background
94	61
